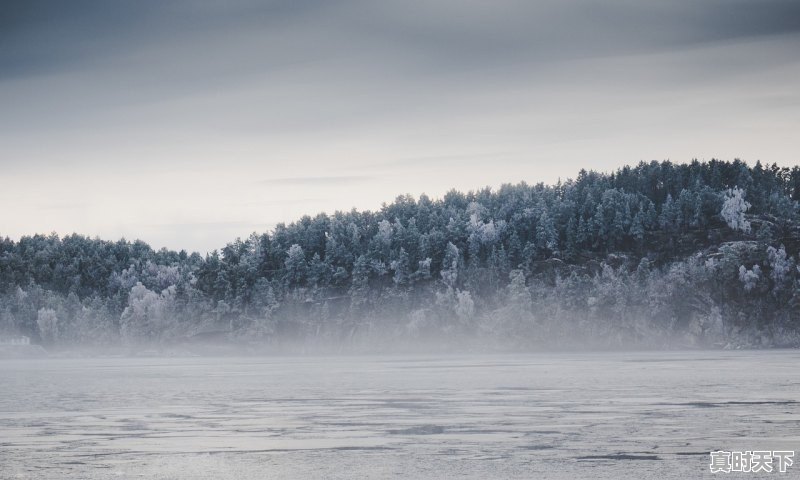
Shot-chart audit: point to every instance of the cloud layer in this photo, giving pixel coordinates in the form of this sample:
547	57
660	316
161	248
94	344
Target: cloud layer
234	113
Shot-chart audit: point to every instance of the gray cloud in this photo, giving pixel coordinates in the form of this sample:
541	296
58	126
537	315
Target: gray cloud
320	66
184	105
45	36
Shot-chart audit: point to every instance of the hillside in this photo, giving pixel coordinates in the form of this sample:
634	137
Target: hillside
657	255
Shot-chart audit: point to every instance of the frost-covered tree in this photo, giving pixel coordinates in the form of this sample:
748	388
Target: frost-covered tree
296	266
385	232
749	278
148	316
546	236
781	265
401	268
262	323
450	265
423	269
47	320
464	306
669	214
733	209
359	289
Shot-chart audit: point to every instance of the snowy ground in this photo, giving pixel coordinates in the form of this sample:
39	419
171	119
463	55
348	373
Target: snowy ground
620	415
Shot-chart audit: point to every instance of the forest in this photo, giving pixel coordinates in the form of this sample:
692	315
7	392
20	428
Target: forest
658	255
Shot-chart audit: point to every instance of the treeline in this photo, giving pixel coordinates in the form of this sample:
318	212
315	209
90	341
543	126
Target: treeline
656	254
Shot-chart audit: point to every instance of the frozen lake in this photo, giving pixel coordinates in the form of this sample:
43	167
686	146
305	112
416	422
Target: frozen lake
602	415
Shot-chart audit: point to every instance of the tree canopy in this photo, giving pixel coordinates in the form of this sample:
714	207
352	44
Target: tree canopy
702	252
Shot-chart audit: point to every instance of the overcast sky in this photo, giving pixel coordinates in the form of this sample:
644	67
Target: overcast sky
187	124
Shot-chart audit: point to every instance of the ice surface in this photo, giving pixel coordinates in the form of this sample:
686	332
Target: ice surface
599	415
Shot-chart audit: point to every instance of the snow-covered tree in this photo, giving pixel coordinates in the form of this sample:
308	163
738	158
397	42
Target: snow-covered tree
296	266
546	236
401	268
148	315
749	278
734	208
781	265
385	232
423	269
449	271
464	306
47	320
